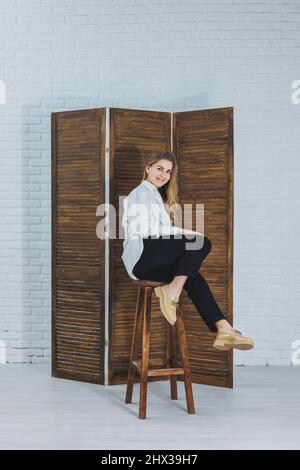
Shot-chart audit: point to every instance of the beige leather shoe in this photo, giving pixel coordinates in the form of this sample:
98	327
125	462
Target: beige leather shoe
168	304
235	339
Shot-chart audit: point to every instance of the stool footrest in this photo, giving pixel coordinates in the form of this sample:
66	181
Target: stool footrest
158	372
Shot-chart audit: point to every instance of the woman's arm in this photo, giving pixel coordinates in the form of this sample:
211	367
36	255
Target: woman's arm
185	231
141	217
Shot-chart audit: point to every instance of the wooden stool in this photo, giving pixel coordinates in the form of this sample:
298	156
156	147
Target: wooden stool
143	316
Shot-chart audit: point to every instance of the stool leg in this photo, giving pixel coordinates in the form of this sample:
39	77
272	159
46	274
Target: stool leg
145	356
185	361
134	345
171	356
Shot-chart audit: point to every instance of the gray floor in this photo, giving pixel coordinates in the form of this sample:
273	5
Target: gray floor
39	412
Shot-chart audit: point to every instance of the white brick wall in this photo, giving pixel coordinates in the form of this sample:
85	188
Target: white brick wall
169	55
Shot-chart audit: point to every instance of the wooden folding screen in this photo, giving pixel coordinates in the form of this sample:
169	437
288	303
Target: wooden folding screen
204	142
78	182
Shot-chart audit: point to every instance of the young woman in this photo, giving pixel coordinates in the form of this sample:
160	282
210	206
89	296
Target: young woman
155	249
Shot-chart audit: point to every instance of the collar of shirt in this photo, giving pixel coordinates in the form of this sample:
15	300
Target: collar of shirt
149	185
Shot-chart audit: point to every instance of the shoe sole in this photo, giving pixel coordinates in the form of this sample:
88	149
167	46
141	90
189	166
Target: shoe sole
160	295
226	347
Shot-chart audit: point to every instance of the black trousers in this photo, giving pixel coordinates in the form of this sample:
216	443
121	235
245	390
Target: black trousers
164	257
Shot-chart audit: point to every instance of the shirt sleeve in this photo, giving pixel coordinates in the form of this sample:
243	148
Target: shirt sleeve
169	229
142	218
136	219
166	227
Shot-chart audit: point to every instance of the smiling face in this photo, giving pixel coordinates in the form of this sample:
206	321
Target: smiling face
159	173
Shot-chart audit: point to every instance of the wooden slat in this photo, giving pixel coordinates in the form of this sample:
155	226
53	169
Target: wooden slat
78	178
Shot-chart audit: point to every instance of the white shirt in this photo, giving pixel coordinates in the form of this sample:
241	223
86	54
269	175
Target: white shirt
144	215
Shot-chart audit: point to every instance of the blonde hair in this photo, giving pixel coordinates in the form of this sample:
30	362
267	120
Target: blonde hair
169	191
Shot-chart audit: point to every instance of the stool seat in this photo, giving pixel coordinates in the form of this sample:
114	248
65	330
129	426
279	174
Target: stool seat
171	366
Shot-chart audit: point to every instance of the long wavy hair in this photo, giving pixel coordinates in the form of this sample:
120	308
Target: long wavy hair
169	191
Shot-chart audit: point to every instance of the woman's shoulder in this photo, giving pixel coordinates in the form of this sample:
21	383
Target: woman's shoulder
138	191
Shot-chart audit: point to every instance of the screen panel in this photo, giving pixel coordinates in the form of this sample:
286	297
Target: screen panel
203	140
134	135
78	178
